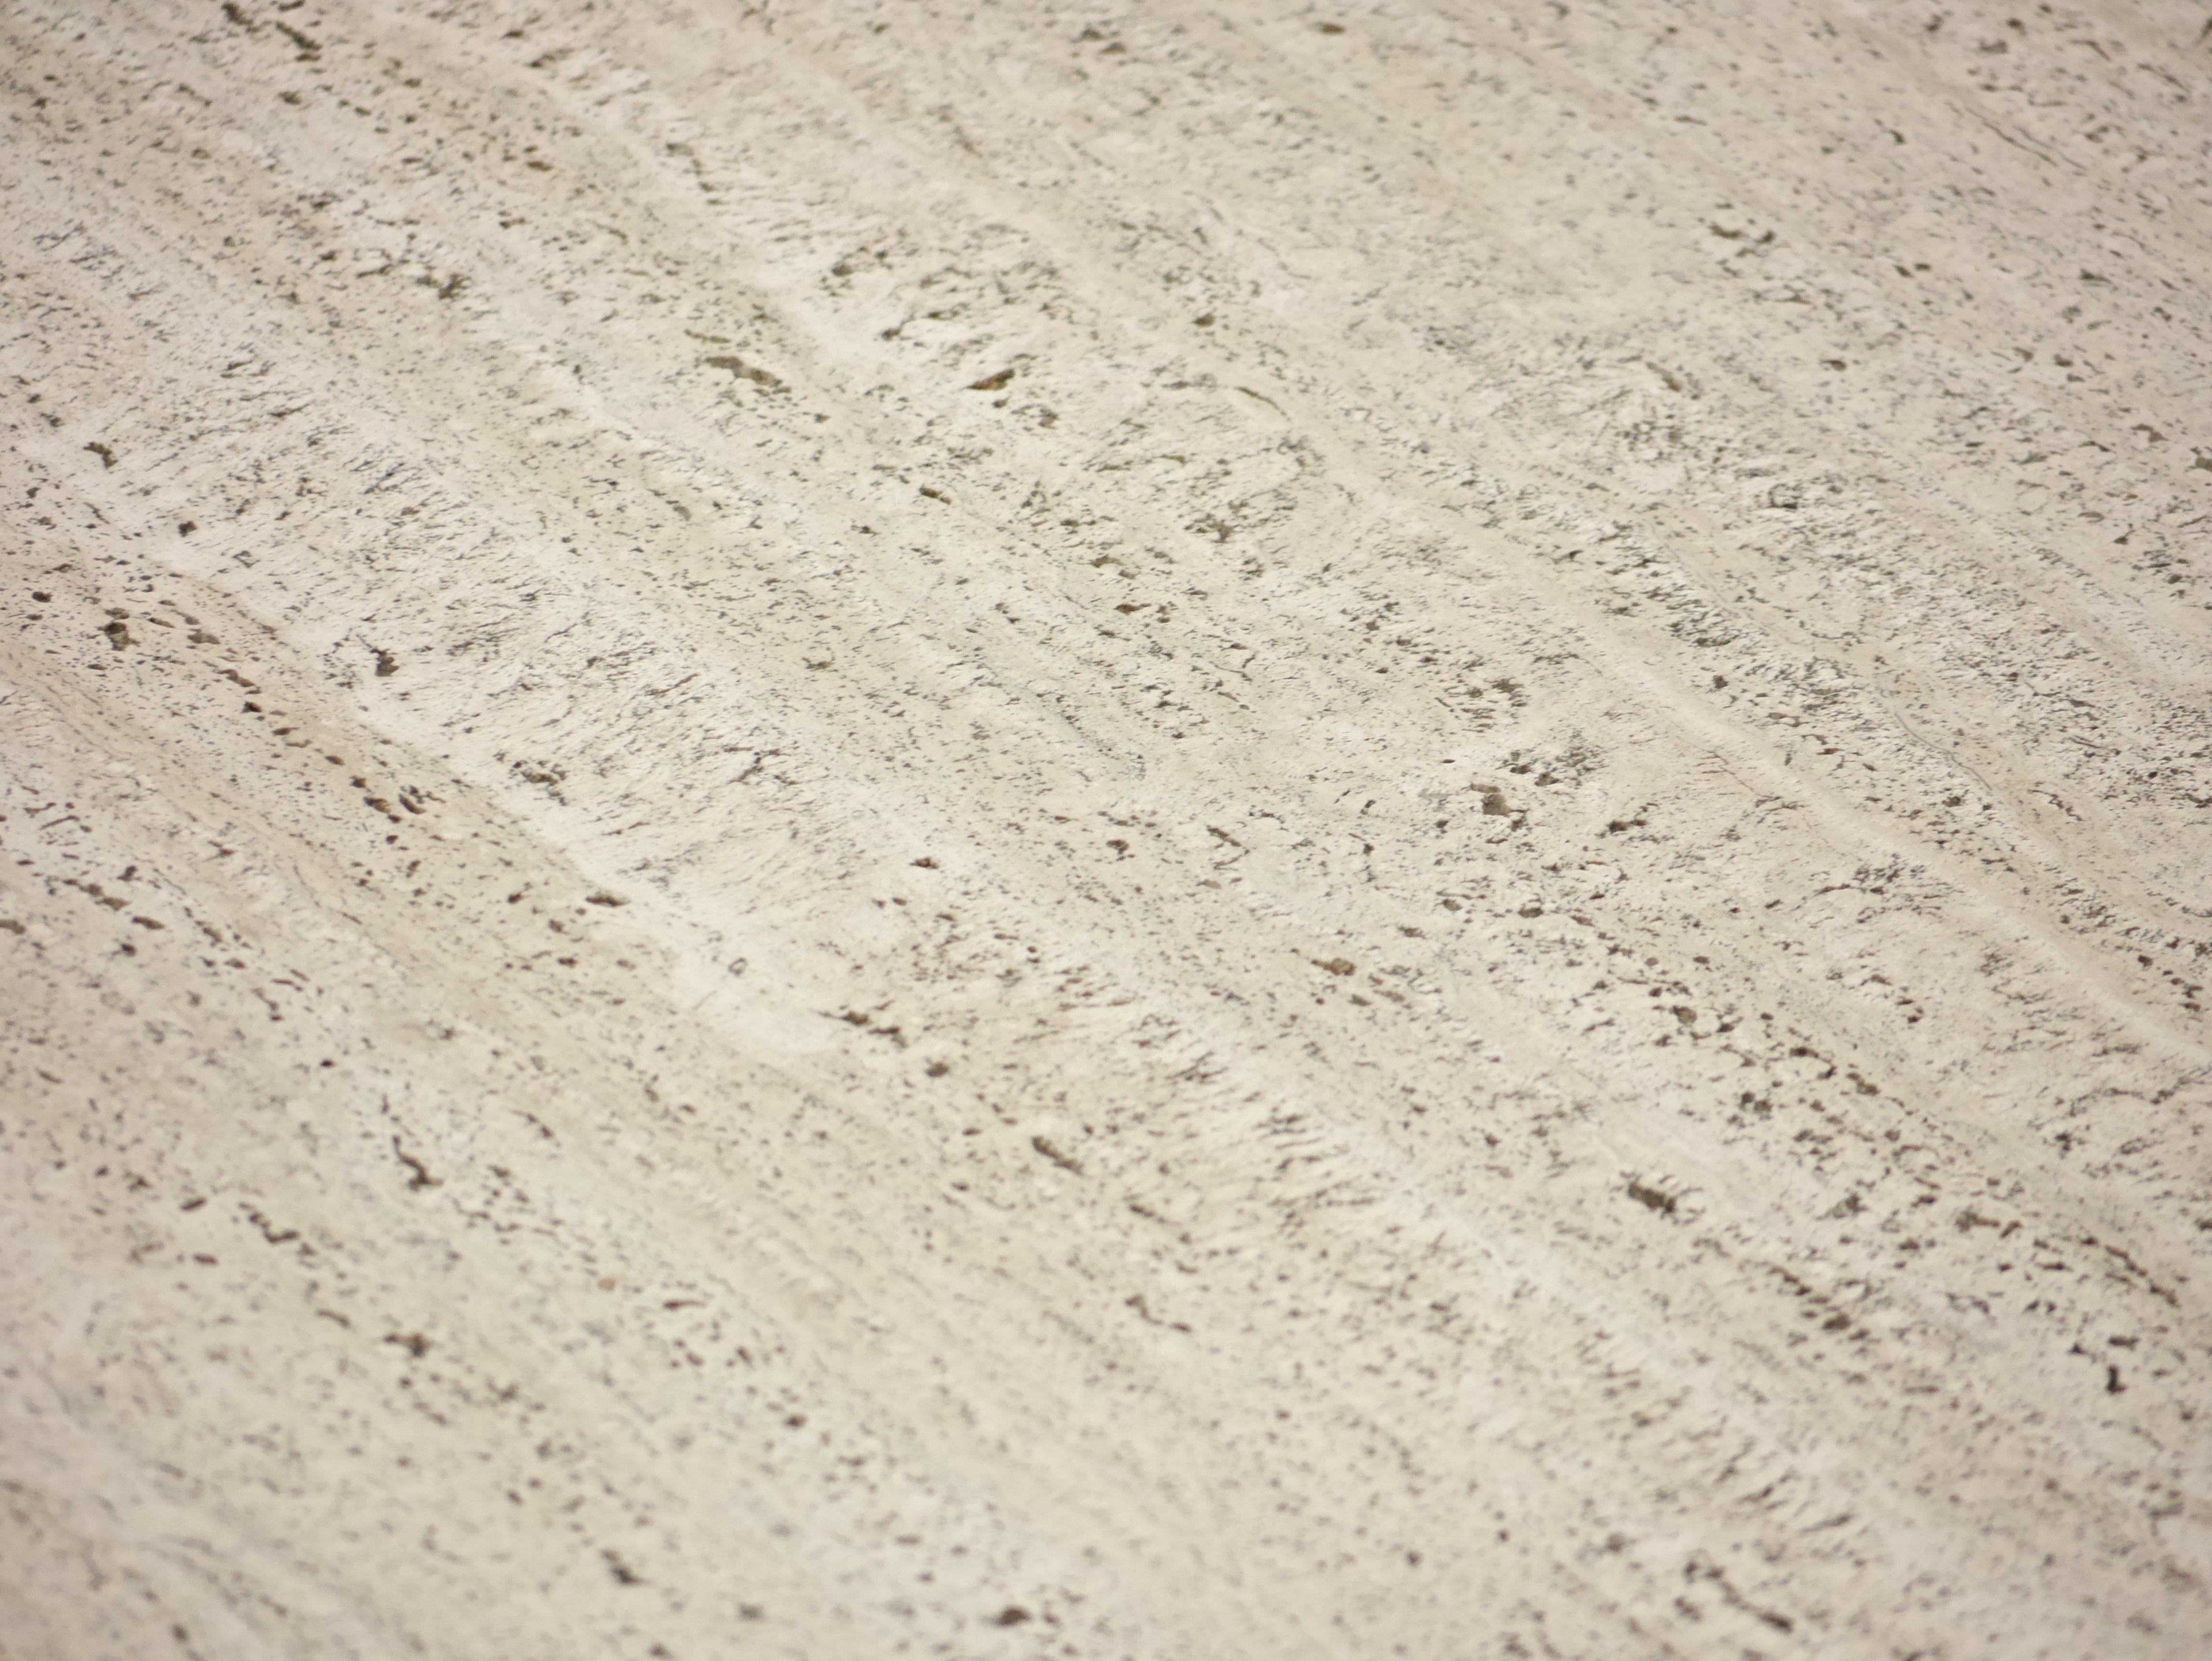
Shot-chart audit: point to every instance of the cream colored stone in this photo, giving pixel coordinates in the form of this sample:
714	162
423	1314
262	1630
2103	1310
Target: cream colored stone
836	830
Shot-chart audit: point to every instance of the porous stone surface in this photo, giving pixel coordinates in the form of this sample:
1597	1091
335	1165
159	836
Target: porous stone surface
1177	830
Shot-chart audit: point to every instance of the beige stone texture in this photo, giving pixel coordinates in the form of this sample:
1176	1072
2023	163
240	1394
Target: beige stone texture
1186	831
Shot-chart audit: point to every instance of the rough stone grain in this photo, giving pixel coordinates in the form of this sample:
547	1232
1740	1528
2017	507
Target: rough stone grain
1180	830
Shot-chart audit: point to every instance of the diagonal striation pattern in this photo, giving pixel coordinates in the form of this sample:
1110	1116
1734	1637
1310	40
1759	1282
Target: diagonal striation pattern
1191	831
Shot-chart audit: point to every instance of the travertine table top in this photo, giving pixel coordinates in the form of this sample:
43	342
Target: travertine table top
1217	831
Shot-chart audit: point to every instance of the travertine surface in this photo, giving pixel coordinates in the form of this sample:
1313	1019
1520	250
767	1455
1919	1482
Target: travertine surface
1183	831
